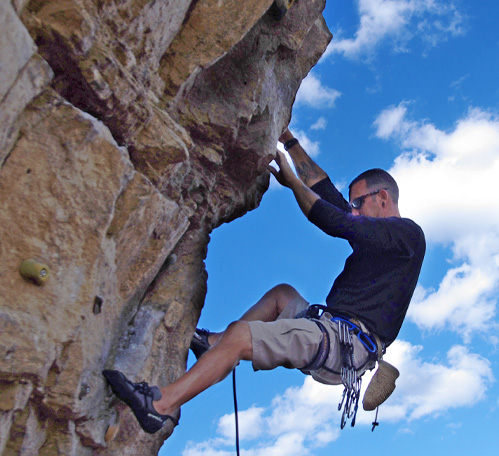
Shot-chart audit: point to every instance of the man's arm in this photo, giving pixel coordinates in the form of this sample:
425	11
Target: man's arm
286	177
308	171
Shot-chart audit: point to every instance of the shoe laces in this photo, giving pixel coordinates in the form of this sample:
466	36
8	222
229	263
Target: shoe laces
143	388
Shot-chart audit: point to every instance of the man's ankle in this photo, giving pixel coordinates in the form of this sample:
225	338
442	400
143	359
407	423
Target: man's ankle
161	408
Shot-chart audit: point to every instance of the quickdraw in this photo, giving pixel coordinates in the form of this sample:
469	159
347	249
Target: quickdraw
351	381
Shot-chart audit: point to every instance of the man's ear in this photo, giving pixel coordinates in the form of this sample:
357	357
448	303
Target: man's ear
383	194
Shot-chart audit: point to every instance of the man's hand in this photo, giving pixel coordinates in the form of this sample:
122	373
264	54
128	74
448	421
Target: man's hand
285	175
308	171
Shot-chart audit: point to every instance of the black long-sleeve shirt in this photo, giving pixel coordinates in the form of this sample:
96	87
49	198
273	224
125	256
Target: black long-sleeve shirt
379	277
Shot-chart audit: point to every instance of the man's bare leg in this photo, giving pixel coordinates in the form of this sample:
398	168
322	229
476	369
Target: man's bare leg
234	345
228	348
268	308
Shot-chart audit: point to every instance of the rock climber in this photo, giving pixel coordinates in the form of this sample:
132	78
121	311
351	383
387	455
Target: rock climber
371	295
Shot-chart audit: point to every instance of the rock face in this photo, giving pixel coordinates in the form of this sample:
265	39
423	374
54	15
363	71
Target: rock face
129	130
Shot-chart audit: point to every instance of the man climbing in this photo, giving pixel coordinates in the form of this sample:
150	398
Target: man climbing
365	307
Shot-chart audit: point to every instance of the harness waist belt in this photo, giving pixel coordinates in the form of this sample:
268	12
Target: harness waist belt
371	343
364	338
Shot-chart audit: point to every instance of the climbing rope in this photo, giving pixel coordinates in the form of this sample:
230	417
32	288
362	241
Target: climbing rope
235	409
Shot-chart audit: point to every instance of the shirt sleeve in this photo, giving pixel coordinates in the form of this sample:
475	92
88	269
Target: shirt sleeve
328	192
367	232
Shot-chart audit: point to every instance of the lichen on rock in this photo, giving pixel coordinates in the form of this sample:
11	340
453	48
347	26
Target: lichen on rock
129	130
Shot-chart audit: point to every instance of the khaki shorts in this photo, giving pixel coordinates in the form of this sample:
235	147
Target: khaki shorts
293	343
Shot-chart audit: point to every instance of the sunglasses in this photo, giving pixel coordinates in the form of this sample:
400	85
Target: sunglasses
359	201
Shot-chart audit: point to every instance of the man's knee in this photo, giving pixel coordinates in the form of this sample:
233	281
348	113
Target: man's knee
238	336
285	292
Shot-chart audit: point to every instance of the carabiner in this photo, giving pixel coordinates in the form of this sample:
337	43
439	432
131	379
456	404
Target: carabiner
350	325
340	405
367	342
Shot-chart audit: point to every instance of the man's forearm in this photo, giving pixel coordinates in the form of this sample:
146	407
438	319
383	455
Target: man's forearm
308	171
304	196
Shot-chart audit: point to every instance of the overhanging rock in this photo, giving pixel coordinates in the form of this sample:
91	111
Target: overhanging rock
129	130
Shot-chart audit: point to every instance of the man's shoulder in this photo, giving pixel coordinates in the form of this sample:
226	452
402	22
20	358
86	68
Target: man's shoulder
411	225
401	223
414	234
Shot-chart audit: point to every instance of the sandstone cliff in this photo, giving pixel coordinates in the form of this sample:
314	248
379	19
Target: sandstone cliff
129	130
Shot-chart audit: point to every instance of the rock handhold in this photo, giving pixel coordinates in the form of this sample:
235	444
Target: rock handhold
35	271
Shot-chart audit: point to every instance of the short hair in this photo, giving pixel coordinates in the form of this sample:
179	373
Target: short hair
376	179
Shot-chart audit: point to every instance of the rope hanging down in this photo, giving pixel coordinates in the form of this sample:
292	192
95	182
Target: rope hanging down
235	409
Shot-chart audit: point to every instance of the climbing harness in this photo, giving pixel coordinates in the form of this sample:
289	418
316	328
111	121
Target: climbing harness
322	353
352	382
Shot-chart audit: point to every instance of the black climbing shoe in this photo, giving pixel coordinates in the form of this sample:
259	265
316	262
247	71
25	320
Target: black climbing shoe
199	343
139	397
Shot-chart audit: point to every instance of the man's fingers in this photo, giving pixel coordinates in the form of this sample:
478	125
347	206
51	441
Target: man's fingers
272	170
279	157
277	174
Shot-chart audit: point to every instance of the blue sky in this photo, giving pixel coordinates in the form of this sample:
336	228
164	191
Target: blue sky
411	86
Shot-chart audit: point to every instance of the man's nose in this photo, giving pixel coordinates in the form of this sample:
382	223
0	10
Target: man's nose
355	211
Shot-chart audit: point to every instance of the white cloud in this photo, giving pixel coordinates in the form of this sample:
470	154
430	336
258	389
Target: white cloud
306	409
250	424
306	417
290	444
428	388
391	120
321	124
208	448
311	147
399	21
459	82
448	183
313	93
462	302
300	419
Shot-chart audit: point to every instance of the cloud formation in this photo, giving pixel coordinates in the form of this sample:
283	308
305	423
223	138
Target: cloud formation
314	94
320	124
461	381
448	182
398	21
